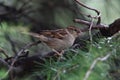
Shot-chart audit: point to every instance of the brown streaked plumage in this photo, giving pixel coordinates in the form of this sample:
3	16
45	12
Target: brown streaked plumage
59	39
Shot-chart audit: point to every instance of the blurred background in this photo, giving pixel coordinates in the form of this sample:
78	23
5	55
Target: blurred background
54	14
17	16
36	15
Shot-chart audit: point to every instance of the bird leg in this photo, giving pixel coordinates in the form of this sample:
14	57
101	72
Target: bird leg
60	54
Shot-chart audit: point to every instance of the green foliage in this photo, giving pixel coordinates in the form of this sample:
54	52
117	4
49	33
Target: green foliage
16	36
74	65
2	73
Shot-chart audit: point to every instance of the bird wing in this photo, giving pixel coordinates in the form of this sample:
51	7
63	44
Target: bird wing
59	33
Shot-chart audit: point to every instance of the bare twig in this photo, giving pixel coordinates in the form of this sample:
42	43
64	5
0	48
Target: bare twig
95	17
94	63
3	63
82	22
19	53
90	28
94	26
57	75
82	4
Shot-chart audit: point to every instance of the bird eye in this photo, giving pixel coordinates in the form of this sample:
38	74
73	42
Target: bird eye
77	30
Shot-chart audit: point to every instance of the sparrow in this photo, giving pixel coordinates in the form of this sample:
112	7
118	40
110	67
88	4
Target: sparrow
59	39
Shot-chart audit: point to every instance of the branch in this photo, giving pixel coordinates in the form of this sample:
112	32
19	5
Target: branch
3	63
19	53
94	63
94	26
95	17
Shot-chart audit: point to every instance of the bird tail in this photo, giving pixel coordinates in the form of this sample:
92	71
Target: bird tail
36	35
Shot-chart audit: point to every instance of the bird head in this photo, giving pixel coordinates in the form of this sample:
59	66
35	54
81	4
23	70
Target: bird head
75	31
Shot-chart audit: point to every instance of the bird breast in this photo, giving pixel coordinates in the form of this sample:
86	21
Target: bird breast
61	44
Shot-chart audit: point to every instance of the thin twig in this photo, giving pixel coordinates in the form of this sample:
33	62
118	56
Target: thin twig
82	22
94	63
57	74
90	28
19	53
100	26
82	4
3	63
95	17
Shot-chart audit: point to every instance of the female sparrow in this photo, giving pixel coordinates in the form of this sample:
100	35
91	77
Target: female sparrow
59	39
